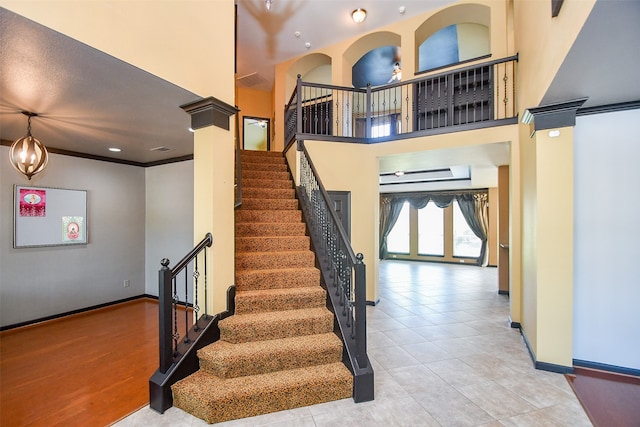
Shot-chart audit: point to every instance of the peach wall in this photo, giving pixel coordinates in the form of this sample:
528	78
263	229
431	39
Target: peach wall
255	103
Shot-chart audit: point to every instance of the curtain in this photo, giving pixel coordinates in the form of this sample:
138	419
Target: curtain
473	204
475	209
389	212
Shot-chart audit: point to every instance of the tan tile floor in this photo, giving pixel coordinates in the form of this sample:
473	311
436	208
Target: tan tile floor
443	355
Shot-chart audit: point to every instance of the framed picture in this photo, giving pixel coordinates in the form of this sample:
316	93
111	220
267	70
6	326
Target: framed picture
45	216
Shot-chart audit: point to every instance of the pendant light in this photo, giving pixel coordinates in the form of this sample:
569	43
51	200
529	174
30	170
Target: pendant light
28	156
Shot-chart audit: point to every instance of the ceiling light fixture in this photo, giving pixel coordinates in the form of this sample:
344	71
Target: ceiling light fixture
399	173
359	15
28	156
267	3
115	149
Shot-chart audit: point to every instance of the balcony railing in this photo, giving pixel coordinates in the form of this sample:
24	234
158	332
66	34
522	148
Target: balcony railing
476	96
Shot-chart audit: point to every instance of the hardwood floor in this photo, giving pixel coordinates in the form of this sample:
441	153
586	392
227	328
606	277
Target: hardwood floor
89	369
610	400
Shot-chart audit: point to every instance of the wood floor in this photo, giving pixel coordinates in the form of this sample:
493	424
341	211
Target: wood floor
610	400
89	369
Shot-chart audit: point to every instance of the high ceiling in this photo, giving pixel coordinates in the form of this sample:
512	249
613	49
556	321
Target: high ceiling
89	101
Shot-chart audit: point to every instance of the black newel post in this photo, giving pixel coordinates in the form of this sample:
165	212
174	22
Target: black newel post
361	312
164	313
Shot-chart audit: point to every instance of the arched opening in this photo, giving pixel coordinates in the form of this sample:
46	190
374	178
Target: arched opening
454	35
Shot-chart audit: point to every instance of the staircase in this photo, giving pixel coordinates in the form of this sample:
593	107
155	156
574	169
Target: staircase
278	351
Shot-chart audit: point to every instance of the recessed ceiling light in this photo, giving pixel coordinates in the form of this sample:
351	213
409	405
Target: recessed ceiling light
402	10
115	149
399	173
554	133
359	15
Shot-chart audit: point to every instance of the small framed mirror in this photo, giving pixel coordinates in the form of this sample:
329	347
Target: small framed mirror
256	132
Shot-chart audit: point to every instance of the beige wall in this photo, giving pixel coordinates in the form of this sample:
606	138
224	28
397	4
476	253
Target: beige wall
546	248
124	30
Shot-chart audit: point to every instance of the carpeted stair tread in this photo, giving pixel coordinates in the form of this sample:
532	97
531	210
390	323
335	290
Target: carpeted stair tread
270	229
226	360
216	400
277	278
272	243
270	182
255	215
268	204
260	175
273	167
271	260
261	153
280	299
246	157
269	193
275	324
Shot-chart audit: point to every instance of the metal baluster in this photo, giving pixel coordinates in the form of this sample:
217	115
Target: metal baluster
206	312
175	318
186	312
196	309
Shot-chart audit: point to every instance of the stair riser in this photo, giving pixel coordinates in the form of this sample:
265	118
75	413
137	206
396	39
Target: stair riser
256	174
262	216
275	329
275	244
270	229
267	396
256	304
226	360
246	166
266	183
274	260
268	193
274	279
268	204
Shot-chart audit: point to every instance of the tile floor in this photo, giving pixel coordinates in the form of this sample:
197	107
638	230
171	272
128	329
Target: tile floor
443	355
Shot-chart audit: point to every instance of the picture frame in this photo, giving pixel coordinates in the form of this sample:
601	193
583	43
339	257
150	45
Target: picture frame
45	216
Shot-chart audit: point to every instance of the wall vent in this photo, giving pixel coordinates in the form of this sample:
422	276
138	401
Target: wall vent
250	80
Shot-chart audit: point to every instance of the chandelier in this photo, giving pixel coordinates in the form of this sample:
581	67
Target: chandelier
28	156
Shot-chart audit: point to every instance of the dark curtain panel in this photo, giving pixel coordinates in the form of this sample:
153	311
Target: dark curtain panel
389	212
473	204
474	208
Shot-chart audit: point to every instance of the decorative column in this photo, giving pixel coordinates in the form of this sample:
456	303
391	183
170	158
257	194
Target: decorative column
213	189
547	322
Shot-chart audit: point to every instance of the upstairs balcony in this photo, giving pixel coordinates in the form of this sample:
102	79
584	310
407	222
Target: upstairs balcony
473	97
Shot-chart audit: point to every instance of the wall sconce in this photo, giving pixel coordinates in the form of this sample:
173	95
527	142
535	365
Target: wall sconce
359	15
27	155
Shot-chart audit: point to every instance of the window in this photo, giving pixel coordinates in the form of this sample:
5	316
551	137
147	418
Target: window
465	242
381	130
431	230
398	238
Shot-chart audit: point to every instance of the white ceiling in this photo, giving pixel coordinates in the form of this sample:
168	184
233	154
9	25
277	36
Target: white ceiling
89	101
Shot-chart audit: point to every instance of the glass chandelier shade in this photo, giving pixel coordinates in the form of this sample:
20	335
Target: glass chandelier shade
28	155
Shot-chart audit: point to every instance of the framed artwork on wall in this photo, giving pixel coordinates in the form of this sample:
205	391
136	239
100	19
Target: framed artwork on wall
45	216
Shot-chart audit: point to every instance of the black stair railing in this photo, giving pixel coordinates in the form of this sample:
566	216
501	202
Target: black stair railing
471	97
344	273
177	348
169	280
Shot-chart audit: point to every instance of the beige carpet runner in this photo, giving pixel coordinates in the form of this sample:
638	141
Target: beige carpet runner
278	351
